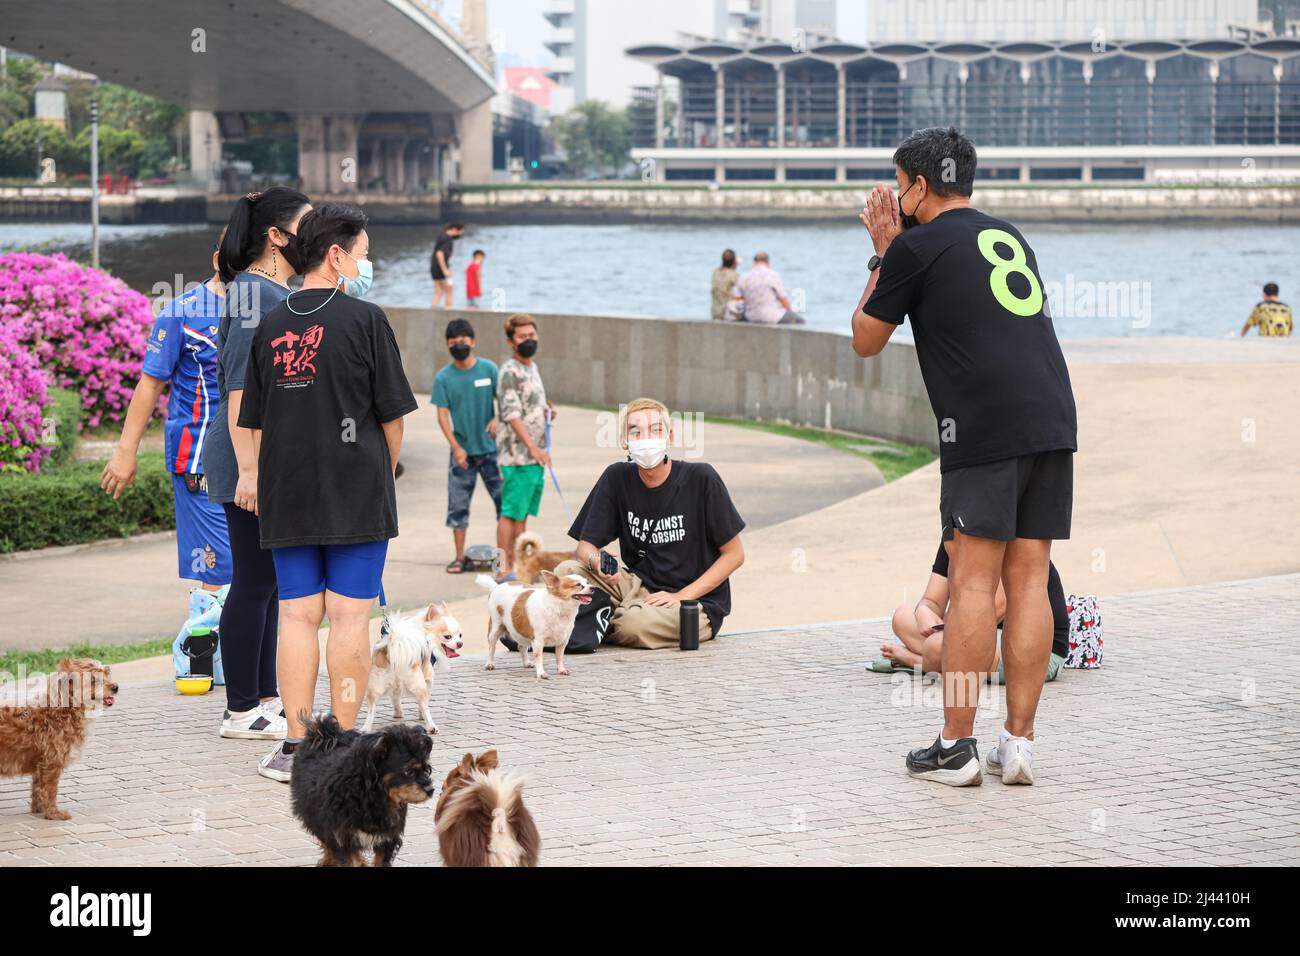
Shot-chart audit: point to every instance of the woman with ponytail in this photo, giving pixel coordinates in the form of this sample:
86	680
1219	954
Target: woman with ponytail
260	250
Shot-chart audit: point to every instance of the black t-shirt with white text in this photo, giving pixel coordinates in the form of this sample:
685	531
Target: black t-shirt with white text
320	386
1055	595
989	356
667	536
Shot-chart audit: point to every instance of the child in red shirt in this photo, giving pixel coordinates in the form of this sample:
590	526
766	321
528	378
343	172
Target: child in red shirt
473	278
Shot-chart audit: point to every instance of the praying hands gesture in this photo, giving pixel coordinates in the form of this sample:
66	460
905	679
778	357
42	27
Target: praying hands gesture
880	216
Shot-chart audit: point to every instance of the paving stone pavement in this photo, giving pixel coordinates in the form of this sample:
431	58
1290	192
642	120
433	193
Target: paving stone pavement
771	748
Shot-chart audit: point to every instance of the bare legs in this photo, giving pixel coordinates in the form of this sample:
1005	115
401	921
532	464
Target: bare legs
347	655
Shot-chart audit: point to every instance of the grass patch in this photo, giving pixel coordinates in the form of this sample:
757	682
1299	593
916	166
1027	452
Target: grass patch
112	431
46	660
894	459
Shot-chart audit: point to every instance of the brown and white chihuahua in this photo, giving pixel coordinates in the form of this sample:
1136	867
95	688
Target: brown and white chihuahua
536	617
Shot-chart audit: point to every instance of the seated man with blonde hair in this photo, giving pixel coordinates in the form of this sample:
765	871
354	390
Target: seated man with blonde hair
678	535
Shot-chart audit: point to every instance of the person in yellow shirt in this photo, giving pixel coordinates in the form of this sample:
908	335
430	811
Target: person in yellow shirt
1271	317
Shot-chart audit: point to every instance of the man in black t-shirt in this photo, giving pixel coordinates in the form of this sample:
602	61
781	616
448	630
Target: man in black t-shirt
678	536
440	263
1001	396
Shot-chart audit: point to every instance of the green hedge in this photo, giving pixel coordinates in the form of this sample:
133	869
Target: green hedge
67	506
65	410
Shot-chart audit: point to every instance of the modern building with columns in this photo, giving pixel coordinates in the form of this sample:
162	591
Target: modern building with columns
1086	110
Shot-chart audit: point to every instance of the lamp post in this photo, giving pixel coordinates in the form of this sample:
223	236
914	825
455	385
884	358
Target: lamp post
94	177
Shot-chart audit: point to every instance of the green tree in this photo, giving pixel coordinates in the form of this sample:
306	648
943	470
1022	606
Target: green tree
595	139
16	84
120	151
18	147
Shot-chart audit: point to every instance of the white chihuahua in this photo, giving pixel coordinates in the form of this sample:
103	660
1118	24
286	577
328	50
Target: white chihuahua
400	663
536	617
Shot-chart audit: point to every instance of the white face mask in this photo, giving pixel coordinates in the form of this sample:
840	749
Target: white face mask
648	452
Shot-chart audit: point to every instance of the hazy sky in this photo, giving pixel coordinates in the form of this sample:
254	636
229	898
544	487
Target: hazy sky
519	27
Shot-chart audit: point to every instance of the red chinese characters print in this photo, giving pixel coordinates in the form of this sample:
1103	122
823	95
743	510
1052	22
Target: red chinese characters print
294	355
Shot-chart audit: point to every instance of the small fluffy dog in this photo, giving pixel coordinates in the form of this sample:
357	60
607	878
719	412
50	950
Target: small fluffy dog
351	790
400	664
535	617
481	817
43	726
531	560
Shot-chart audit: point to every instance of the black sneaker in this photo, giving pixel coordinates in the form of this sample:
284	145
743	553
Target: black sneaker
956	766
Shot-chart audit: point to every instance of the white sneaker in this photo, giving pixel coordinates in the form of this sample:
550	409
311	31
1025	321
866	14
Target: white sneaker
273	708
277	765
255	724
1012	759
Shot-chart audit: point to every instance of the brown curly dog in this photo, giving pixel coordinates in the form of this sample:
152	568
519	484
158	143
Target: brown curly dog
43	726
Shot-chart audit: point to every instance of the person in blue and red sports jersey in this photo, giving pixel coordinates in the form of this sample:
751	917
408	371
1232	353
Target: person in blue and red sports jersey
181	352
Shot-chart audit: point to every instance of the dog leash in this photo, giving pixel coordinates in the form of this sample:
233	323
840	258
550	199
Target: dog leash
384	627
551	468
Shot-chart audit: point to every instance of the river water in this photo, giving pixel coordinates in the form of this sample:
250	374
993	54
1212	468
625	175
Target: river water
1193	279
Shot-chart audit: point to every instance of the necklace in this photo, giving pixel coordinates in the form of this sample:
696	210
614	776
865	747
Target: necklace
289	305
275	267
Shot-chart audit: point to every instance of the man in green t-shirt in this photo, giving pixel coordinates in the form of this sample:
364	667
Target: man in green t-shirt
465	393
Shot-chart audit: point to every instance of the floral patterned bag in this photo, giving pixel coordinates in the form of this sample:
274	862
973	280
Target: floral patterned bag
1085	632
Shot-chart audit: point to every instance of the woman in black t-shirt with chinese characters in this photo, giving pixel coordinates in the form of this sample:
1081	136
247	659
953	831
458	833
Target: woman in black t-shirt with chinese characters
324	395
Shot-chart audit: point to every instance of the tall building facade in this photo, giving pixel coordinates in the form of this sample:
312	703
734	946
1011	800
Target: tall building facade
588	37
992	21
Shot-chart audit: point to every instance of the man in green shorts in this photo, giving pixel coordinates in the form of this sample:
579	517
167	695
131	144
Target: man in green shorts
521	436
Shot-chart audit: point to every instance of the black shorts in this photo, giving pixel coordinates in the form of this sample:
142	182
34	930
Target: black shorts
1027	497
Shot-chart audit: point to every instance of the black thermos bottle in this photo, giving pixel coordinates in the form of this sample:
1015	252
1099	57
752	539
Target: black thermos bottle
689	626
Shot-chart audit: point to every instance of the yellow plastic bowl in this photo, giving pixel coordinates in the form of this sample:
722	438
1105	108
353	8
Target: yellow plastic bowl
194	685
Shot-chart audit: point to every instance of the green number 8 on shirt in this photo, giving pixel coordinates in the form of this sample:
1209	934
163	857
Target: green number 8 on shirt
1003	268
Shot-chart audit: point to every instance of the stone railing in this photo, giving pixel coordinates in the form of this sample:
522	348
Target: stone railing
779	373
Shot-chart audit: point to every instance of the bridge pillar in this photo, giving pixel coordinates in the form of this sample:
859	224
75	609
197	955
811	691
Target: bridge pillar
205	150
476	144
328	159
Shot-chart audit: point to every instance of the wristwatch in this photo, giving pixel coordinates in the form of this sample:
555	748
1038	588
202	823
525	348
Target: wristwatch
874	263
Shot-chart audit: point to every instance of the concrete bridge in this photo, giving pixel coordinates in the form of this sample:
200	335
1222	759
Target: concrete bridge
384	96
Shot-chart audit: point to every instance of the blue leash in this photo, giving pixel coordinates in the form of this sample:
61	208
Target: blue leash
551	468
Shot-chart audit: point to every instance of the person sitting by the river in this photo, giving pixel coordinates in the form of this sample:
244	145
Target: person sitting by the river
920	628
763	295
1271	316
678	535
724	286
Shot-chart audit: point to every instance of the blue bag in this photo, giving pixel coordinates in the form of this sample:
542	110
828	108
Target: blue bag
202	655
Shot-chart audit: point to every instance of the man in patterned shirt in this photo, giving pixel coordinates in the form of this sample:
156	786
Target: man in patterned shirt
1271	317
521	435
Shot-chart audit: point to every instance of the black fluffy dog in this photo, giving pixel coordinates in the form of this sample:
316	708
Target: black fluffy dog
351	790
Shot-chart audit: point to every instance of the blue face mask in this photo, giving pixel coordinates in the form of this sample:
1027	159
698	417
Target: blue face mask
365	276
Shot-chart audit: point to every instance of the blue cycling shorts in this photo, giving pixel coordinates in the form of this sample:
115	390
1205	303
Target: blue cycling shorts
350	570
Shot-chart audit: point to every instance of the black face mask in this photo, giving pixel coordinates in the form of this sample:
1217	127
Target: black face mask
290	252
460	351
527	348
904	219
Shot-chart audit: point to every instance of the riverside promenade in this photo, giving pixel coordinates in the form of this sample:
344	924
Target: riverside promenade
773	748
773	745
1189	450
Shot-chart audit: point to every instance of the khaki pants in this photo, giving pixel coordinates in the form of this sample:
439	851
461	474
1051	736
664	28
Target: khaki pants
633	622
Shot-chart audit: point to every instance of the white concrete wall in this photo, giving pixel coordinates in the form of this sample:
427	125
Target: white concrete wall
767	373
